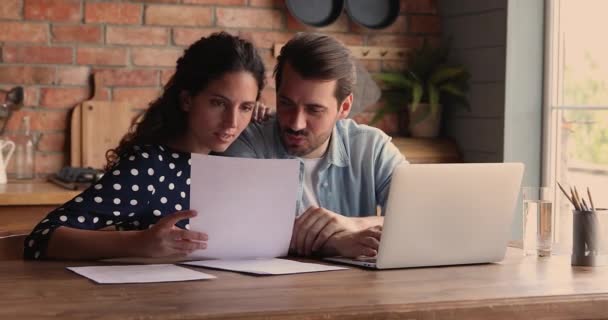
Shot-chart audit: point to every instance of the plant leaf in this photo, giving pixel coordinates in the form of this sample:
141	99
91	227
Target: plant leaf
452	89
394	102
394	80
444	73
433	99
417	92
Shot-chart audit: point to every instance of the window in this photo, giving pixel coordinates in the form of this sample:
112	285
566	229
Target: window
576	106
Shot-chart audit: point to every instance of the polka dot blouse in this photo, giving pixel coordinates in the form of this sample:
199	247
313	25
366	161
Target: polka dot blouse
148	183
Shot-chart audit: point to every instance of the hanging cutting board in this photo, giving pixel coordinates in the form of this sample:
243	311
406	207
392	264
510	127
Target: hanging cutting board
103	125
96	127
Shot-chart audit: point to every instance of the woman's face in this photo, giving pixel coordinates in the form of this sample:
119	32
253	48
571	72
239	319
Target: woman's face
218	114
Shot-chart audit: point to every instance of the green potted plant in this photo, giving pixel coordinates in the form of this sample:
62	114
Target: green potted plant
428	83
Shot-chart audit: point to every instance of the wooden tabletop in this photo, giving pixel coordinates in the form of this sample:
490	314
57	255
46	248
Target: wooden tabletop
25	193
517	288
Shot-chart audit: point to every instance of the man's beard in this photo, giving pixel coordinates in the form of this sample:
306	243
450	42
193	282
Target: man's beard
308	148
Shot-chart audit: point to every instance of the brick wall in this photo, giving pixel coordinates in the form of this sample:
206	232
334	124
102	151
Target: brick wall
51	47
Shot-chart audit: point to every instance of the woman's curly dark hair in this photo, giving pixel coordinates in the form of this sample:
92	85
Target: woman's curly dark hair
204	61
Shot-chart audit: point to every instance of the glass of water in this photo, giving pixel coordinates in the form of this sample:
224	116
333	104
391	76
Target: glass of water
538	221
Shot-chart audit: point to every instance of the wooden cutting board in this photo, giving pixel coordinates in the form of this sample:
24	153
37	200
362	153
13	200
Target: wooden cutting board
97	126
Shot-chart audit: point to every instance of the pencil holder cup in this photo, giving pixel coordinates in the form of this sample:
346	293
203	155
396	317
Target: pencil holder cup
589	247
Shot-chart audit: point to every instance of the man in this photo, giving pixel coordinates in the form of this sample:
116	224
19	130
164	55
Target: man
345	168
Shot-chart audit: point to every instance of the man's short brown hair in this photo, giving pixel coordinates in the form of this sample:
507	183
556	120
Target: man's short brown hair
318	56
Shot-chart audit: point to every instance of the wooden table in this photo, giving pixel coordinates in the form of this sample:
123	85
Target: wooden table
24	203
517	288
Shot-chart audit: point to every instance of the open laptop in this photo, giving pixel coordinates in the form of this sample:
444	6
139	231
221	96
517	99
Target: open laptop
446	214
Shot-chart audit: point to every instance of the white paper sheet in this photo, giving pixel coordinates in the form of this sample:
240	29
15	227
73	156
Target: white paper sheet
264	266
139	273
246	206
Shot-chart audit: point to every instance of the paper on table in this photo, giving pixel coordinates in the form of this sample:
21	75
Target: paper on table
246	206
139	273
264	266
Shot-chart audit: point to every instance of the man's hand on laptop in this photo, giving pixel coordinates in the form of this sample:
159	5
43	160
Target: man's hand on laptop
354	244
316	225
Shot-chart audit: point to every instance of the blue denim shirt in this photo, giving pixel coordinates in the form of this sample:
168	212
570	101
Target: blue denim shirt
354	175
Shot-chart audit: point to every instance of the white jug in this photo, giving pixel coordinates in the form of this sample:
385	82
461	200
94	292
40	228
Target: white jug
4	160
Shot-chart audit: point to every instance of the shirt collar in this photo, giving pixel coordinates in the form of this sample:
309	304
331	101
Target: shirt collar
336	153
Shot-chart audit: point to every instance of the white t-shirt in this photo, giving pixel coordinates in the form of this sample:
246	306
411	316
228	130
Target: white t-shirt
309	196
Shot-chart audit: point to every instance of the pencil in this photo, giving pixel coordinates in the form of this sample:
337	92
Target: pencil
590	199
565	193
585	205
575	201
579	199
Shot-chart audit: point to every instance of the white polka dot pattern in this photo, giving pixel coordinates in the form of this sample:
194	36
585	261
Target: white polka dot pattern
117	199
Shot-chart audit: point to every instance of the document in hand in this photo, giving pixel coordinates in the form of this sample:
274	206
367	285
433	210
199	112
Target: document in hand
246	206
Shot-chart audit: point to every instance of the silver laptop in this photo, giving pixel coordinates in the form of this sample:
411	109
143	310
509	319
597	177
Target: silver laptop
446	214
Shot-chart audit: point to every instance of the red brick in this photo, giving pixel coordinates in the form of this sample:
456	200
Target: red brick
393	65
37	54
14	122
101	94
31	96
118	13
76	33
266	39
371	66
49	162
268	58
153	57
137	35
340	25
63	97
136	97
26	75
53	142
249	18
126	78
10	9
158	1
398	26
101	56
166	75
418	6
349	39
72	76
23	32
50	120
178	15
267	3
401	41
218	2
425	24
187	36
53	10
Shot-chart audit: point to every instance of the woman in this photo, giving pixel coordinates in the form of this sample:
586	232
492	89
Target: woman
145	190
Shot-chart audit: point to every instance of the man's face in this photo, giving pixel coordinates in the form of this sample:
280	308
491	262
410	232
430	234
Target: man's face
307	111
